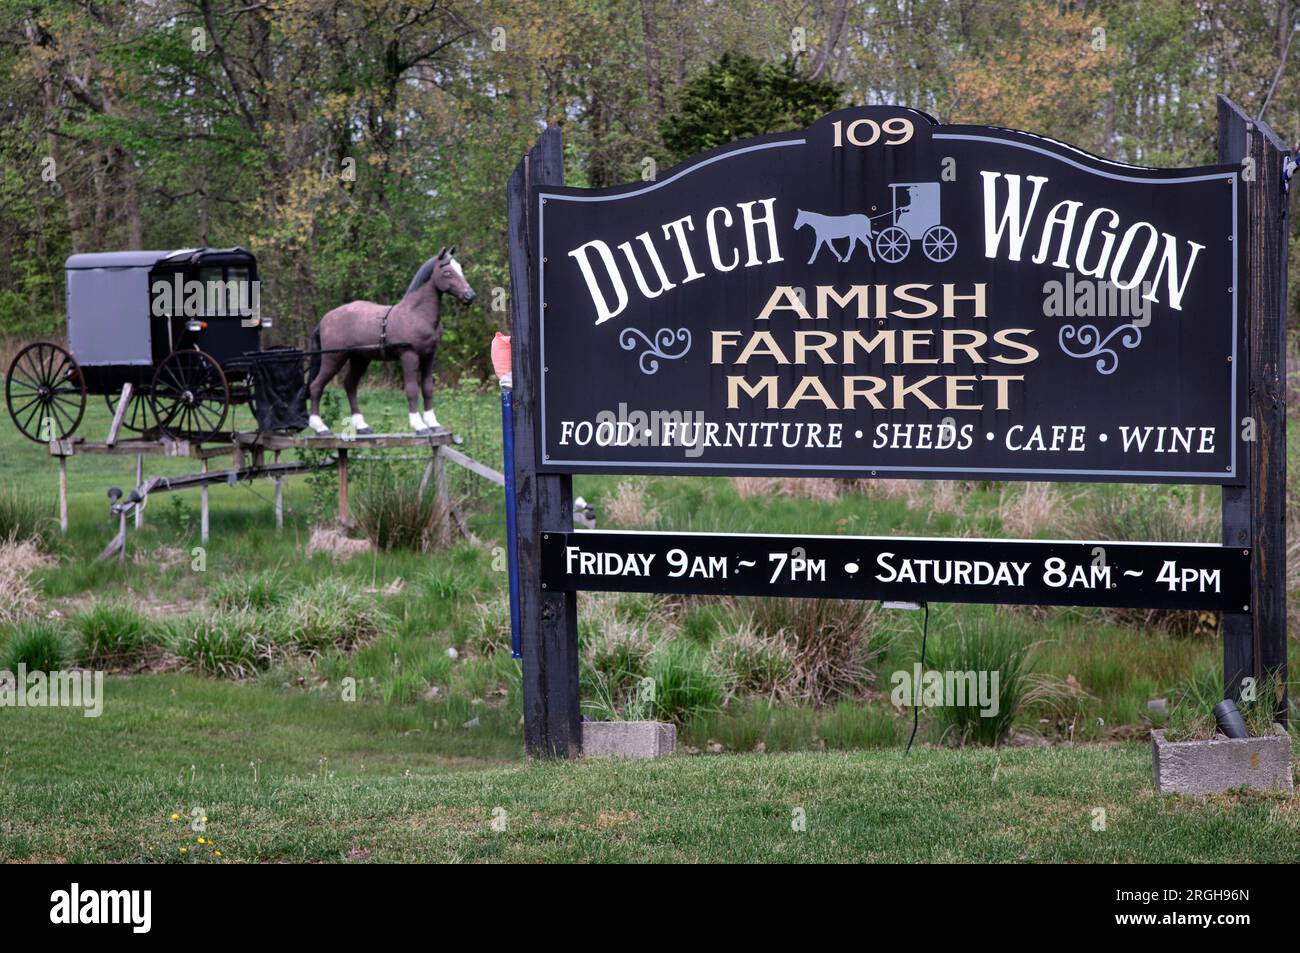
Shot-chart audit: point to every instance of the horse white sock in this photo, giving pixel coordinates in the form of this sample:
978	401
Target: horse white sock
417	422
316	424
431	419
360	422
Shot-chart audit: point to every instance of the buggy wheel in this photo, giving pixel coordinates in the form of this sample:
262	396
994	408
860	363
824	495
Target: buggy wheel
939	243
892	244
45	392
139	415
189	396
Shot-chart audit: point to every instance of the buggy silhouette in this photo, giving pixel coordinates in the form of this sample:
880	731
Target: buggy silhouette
915	217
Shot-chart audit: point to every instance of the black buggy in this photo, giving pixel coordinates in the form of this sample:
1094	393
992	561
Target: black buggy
182	328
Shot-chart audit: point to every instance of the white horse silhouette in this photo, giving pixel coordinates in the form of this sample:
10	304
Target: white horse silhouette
856	228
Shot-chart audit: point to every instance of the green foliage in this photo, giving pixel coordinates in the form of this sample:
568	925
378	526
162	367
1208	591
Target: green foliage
23	515
854	726
112	633
396	512
737	97
41	646
330	615
261	590
985	647
231	644
686	682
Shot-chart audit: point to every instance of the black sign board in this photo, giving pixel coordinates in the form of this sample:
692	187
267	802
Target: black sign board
879	295
890	568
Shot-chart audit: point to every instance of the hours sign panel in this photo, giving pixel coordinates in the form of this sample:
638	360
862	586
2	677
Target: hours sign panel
880	295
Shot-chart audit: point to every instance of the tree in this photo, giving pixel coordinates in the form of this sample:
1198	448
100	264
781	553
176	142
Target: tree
737	97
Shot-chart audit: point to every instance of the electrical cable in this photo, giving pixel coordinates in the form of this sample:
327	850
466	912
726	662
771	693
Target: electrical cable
916	688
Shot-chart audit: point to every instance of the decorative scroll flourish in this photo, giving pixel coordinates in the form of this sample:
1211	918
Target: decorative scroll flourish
1092	344
661	346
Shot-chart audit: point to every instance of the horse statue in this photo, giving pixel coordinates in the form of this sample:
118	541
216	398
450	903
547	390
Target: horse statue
359	332
856	228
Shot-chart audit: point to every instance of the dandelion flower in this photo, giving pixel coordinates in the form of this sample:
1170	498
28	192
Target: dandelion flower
184	849
175	816
202	840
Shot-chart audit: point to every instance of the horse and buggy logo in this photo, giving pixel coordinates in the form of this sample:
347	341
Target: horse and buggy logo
913	216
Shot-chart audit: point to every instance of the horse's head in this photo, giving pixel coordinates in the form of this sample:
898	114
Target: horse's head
447	275
801	219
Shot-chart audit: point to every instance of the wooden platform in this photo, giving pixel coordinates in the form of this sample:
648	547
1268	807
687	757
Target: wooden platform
312	441
72	446
249	452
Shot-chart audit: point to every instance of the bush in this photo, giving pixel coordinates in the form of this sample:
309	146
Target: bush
19	600
112	633
852	726
686	683
24	516
831	644
985	648
755	664
329	615
490	628
232	644
260	590
392	512
41	646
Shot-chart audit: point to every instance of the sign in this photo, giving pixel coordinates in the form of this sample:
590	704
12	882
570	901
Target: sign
890	568
880	295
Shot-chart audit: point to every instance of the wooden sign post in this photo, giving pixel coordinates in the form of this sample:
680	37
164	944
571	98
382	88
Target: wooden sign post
548	620
1254	513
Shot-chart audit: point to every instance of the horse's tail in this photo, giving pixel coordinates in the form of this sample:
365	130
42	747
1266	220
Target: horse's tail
314	363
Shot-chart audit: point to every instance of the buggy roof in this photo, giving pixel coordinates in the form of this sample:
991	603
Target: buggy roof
151	259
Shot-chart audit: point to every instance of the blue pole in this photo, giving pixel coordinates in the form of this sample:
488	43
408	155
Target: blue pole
512	542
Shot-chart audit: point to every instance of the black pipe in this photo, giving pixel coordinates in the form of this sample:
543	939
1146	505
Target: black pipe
1229	719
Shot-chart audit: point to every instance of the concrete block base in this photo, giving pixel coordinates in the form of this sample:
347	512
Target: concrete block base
1211	767
628	739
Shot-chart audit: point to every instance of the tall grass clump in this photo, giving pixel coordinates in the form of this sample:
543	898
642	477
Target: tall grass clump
19	600
852	726
329	615
24	515
985	648
489	627
615	648
1192	716
1035	507
831	644
112	633
230	644
257	590
394	514
755	664
39	645
686	683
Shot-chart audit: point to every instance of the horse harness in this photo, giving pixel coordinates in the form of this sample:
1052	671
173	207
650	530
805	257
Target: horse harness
383	334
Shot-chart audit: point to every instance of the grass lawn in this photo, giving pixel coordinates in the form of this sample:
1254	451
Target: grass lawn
340	782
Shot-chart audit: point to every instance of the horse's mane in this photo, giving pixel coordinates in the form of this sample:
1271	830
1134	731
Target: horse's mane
423	275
